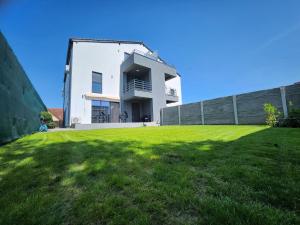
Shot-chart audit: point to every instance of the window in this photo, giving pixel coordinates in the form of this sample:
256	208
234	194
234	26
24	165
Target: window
100	111
97	82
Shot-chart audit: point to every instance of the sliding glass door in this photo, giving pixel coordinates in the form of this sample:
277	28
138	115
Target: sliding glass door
100	111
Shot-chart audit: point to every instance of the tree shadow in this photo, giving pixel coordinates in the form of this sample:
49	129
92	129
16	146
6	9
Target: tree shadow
251	180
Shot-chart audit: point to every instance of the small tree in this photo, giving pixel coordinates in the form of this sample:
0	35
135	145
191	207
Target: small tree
272	114
47	117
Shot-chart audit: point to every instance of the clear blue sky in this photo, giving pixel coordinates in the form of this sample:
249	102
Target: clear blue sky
220	47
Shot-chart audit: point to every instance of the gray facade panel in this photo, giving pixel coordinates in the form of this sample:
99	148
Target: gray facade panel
115	112
157	74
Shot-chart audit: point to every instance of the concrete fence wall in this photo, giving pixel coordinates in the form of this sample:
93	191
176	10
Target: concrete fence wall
237	109
20	104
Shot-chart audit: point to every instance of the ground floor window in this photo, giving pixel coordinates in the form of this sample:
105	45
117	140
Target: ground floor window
105	111
100	111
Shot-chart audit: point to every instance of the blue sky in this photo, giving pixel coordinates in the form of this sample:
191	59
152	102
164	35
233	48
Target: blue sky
220	47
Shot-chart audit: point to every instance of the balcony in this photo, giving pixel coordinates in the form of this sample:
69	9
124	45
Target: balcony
137	89
139	85
148	60
171	95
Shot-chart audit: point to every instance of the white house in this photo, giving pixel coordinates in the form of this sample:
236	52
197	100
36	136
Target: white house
116	81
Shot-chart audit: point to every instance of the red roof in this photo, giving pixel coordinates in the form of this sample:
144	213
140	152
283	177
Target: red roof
57	112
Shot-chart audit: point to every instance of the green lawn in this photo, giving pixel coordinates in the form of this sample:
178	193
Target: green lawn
159	175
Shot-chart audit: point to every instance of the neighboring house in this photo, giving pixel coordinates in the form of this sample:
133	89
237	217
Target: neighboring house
116	81
57	116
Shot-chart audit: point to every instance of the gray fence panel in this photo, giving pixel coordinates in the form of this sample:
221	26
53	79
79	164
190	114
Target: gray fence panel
20	104
292	93
219	111
250	106
191	114
170	115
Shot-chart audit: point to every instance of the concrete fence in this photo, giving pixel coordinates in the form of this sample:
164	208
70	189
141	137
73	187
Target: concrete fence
237	109
20	104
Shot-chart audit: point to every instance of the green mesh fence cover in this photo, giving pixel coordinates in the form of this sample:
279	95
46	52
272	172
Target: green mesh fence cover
20	104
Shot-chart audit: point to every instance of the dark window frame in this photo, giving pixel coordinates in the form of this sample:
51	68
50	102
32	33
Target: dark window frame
97	84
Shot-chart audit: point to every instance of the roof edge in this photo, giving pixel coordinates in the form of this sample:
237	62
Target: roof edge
104	41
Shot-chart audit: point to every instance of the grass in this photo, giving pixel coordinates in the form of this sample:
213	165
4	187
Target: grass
159	175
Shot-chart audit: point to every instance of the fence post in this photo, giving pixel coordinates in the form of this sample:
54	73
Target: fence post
202	112
179	116
283	100
236	119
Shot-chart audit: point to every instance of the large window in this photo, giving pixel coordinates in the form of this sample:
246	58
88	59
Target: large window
100	111
97	82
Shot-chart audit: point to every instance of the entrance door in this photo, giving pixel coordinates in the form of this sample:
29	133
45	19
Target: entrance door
136	112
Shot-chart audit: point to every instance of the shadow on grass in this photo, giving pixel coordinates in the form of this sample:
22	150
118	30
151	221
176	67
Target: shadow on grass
252	180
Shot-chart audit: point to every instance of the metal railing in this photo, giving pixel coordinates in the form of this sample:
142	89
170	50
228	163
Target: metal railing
139	85
151	55
171	91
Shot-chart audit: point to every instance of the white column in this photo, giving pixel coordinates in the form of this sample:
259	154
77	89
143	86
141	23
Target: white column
179	116
236	119
202	112
283	100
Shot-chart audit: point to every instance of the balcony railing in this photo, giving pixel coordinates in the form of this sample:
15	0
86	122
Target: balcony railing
171	91
139	85
150	55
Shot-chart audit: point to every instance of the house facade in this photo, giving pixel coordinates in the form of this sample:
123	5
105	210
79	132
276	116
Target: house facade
57	116
109	81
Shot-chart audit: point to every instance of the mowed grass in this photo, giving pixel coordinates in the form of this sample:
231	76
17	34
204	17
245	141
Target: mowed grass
158	175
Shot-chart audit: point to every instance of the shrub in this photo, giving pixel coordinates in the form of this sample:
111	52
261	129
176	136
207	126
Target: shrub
293	119
47	117
289	122
294	113
51	125
272	114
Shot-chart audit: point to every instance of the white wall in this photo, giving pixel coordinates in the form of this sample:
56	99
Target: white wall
175	83
104	58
